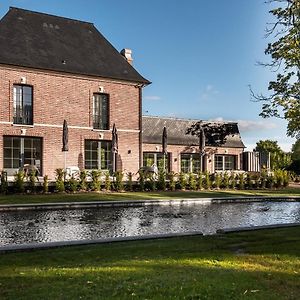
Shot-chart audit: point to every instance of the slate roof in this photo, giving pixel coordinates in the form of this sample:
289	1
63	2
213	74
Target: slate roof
38	40
176	130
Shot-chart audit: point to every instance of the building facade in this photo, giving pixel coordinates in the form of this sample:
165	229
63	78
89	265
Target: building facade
54	69
183	149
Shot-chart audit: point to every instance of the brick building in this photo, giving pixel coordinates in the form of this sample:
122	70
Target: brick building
54	69
183	149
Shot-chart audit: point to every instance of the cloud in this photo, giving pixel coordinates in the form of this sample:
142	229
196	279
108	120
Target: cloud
208	91
152	98
249	125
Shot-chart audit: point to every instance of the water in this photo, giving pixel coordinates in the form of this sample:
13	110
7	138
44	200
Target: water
24	227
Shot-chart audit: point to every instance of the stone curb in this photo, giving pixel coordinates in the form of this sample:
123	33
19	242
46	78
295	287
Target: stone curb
49	245
137	203
252	228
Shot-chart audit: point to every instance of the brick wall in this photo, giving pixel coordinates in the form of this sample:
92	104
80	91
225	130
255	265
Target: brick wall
176	150
58	96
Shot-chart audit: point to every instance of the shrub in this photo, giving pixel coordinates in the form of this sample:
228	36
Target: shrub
161	183
172	181
129	186
19	182
4	183
263	179
200	181
46	184
83	180
270	181
207	181
181	181
72	184
286	178
217	180
150	183
118	184
59	180
232	181
225	181
241	183
141	180
249	181
96	182
192	182
32	182
107	181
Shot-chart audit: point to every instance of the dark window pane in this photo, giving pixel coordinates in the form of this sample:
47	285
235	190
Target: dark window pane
23	113
100	111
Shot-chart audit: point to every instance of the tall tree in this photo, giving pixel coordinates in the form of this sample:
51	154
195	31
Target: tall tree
283	100
278	158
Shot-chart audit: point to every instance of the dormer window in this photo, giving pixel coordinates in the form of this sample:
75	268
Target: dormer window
23	108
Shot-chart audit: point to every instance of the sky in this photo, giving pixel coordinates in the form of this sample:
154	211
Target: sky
201	56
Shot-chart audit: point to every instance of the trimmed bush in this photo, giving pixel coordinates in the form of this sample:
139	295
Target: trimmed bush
181	181
59	180
4	183
129	186
172	181
83	185
46	184
96	182
225	181
19	183
118	183
161	183
207	181
200	181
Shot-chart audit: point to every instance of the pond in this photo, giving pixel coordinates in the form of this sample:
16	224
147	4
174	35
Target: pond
25	227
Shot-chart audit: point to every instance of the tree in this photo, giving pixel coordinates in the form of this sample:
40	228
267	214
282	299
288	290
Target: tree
296	151
284	98
278	158
215	133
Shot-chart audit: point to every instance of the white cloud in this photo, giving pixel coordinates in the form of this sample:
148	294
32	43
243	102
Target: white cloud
208	91
249	125
152	98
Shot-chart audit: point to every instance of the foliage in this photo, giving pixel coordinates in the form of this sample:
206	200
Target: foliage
32	179
161	184
19	182
206	181
59	180
46	184
96	182
217	180
72	184
278	158
4	183
200	181
150	184
83	185
141	180
284	90
181	181
295	155
192	182
107	182
241	181
215	133
172	181
225	181
129	185
118	183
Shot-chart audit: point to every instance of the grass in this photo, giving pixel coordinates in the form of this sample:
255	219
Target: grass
251	265
112	196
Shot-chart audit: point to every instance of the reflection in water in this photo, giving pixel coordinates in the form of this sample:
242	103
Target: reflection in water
94	223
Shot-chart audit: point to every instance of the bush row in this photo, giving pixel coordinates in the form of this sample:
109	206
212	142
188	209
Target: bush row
96	180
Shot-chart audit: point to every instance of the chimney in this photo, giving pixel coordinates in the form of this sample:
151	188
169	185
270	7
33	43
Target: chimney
127	54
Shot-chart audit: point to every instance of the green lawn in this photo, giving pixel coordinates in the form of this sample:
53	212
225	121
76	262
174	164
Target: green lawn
102	196
251	265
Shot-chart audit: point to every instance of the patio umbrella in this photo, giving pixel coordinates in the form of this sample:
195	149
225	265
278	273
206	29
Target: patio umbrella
65	137
201	146
114	146
164	145
164	141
